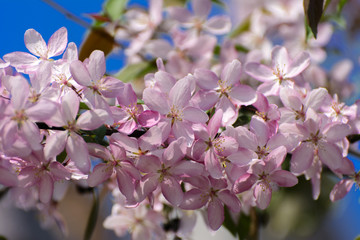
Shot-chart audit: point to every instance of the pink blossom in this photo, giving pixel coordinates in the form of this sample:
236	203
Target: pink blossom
178	114
115	162
214	194
263	174
25	62
224	93
167	170
282	72
70	139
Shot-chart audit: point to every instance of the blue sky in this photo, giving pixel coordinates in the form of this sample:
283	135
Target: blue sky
18	16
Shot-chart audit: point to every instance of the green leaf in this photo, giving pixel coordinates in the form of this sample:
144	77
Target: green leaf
245	26
244	116
2	237
340	6
220	3
90	226
134	71
173	3
313	10
115	8
357	238
83	106
61	157
100	134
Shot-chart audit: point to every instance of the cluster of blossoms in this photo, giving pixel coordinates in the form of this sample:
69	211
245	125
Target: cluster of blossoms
184	144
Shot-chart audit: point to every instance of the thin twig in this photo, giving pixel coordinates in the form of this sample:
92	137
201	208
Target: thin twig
68	14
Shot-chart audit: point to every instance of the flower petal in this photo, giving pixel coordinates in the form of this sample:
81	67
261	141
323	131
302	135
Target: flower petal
35	43
57	42
172	191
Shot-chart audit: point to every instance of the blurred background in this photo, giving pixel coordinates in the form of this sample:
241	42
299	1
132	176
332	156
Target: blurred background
296	216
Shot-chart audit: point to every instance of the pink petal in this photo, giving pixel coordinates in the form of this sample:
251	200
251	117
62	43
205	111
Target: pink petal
280	58
260	72
231	73
35	43
243	94
302	158
42	110
22	60
77	151
127	97
337	132
188	168
201	8
193	199
46	188
180	14
156	100
175	151
130	144
275	158
206	79
148	163
57	42
180	93
125	183
31	133
242	157
225	145
213	165
262	194
341	189
97	66
330	155
230	200
19	89
218	25
316	98
7	178
111	87
215	123
244	183
100	174
70	106
92	119
59	172
55	144
155	11
172	191
298	65
215	212
260	129
283	178
269	88
128	127
181	129
80	73
149	118
195	115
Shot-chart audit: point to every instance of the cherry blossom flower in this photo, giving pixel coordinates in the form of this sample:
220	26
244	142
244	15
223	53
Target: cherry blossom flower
178	114
214	194
25	62
115	162
201	9
224	93
263	174
166	171
282	72
75	145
